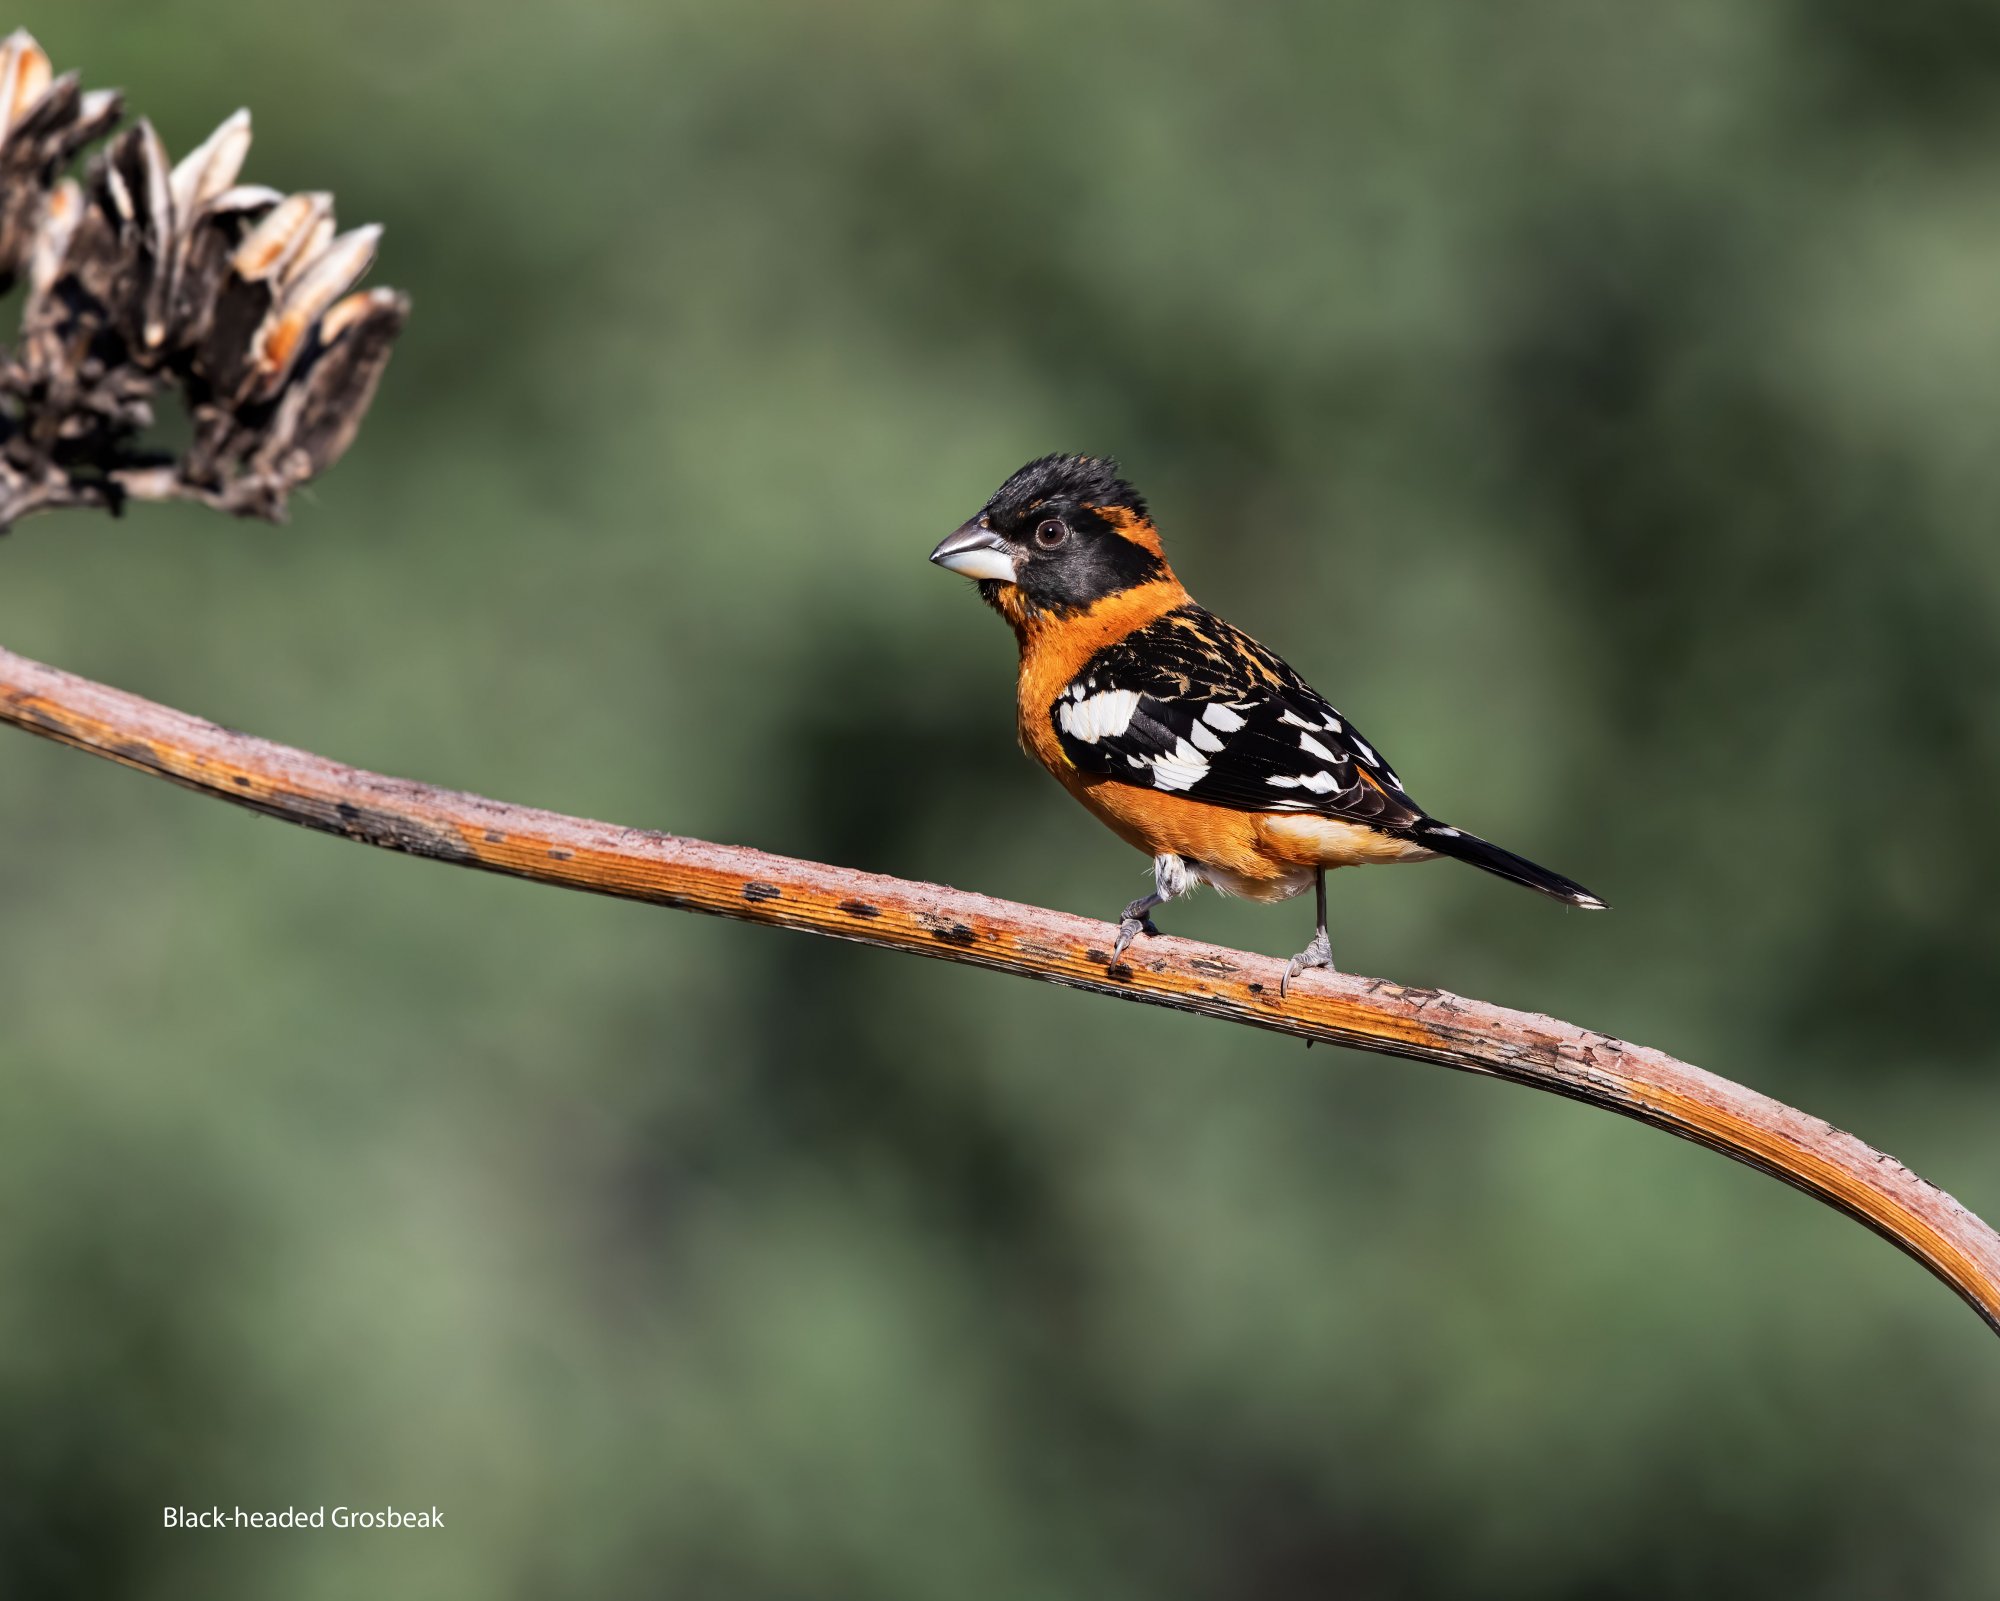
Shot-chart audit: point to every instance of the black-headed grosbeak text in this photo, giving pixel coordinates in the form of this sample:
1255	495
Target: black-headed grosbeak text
1182	734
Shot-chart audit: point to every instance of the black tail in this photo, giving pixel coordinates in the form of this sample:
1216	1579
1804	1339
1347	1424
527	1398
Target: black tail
1516	869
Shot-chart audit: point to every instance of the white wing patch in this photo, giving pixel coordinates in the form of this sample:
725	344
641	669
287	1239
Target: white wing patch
1184	768
1104	715
1221	718
1318	783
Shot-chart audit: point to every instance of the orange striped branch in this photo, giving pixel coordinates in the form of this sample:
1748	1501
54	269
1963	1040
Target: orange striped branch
929	920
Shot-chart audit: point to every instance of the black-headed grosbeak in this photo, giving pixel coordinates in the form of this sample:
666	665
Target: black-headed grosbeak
1184	735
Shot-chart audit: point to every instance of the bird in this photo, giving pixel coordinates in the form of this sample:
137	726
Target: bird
1181	733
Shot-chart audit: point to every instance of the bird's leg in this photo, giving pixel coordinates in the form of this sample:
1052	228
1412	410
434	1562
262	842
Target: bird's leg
1320	952
1170	878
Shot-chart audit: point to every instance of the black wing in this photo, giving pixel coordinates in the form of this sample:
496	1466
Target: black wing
1192	706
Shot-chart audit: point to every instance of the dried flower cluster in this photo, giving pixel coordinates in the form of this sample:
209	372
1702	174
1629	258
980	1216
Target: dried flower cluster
144	276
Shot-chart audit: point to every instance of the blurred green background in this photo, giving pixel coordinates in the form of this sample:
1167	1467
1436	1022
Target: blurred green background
1597	401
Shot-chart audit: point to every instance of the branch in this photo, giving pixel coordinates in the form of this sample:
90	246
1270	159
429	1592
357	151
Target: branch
929	920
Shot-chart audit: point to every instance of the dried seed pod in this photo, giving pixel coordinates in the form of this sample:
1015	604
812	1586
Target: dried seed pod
148	276
247	299
211	167
24	76
330	393
43	123
206	246
139	161
51	245
311	290
288	233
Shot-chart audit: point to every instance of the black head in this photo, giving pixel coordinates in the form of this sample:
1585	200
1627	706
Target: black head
1063	533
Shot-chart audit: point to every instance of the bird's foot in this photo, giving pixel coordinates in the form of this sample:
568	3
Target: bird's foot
1132	922
1318	954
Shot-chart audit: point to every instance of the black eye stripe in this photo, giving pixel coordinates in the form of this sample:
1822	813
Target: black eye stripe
1079	567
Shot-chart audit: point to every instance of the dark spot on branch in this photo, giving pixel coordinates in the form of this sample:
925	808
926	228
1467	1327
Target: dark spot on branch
495	837
859	909
387	829
957	934
1120	971
757	891
241	782
560	855
1256	989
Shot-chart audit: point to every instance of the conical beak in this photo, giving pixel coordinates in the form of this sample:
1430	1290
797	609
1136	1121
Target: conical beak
975	551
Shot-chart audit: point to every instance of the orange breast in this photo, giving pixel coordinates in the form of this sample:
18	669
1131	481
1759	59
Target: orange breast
1053	651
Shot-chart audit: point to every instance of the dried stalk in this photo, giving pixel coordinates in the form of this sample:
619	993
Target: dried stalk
929	920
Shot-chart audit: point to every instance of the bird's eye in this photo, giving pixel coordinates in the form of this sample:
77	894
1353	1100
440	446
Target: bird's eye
1051	533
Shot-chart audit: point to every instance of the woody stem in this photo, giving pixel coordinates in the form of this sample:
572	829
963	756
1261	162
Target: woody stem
955	925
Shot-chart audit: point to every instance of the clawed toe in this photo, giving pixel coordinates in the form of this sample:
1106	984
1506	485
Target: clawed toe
1318	954
1129	929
